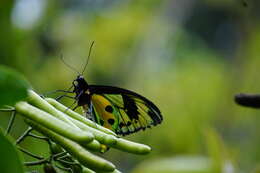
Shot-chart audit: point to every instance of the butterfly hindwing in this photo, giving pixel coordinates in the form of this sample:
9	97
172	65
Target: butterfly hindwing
105	113
131	111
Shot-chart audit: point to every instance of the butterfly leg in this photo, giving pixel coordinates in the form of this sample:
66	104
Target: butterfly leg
56	91
62	96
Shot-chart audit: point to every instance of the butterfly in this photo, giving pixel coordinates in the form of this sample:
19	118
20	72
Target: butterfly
120	110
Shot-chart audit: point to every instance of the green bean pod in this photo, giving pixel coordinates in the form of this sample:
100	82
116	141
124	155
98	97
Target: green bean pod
35	100
102	137
79	117
86	158
53	123
93	145
84	124
131	147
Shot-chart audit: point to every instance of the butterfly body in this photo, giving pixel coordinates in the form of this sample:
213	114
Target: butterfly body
118	109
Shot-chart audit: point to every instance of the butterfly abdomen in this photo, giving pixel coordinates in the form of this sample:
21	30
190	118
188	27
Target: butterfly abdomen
84	99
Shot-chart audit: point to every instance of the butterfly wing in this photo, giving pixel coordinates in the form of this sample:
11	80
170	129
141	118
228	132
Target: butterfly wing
104	112
123	111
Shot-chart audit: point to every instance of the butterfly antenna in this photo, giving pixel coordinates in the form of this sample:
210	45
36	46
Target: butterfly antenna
89	53
71	67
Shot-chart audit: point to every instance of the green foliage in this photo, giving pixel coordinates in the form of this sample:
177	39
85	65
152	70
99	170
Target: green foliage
217	160
217	151
188	58
178	164
10	160
13	86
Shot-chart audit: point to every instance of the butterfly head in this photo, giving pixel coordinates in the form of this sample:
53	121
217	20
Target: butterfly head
80	84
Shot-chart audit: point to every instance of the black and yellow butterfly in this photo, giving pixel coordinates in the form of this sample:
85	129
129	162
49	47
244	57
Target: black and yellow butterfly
117	109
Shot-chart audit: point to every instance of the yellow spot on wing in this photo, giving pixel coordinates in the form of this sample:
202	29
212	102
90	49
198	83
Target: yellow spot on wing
100	103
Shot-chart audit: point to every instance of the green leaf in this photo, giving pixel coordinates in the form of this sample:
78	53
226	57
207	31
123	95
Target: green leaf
10	160
13	86
218	152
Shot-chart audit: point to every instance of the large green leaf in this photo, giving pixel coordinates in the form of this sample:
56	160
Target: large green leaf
10	160
13	86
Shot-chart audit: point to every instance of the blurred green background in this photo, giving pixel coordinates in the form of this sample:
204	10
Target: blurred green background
189	57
